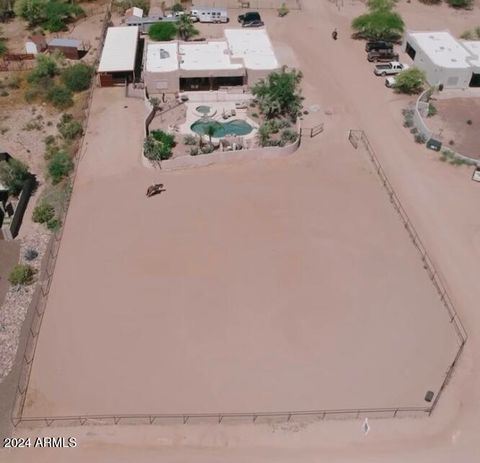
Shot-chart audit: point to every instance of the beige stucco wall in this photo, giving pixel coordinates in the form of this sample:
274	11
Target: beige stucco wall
162	82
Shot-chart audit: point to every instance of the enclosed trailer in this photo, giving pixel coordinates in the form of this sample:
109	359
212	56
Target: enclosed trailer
209	14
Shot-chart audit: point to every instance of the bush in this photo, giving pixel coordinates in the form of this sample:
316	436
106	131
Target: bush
78	77
22	274
54	224
162	31
190	140
13	174
60	96
43	213
52	15
194	151
177	7
420	138
431	2
289	136
207	148
46	68
432	110
69	128
467	35
460	3
410	81
158	145
30	254
379	24
59	166
283	10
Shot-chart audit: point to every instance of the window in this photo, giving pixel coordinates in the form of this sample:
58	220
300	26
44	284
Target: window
410	51
475	80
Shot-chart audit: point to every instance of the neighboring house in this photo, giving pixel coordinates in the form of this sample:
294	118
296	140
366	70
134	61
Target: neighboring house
117	63
134	11
444	59
241	59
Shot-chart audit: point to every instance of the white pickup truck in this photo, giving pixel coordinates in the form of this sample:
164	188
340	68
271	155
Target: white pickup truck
392	68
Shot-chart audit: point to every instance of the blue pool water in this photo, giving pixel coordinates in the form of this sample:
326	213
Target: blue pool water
222	129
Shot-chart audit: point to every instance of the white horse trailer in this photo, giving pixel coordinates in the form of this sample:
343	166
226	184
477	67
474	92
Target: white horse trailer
208	14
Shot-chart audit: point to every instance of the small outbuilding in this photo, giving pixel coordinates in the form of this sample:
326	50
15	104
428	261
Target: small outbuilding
444	59
35	44
117	63
71	48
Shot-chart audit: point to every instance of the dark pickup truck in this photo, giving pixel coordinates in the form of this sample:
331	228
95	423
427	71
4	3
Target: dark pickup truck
378	45
384	55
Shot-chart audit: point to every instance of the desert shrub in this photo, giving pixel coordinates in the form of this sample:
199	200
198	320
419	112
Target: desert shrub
52	15
13	174
410	81
4	93
289	136
14	82
207	148
158	145
46	67
162	31
22	274
413	130
60	96
30	254
69	128
3	47
407	118
177	7
59	166
378	24
185	28
467	35
469	122
420	138
460	3
189	140
273	126
43	213
54	224
431	2
283	10
78	77
263	135
432	110
194	151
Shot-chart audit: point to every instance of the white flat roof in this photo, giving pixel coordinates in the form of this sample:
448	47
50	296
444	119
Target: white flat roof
254	46
473	46
162	57
442	48
206	56
119	50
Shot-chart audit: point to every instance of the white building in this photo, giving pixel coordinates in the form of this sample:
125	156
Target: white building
444	59
117	63
242	58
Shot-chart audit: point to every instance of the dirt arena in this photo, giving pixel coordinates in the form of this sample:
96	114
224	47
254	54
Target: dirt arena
267	286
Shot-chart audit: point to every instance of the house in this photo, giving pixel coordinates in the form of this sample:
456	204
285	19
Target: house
240	59
117	63
444	59
71	48
134	11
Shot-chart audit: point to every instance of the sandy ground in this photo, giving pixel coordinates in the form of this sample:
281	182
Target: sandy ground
439	198
451	123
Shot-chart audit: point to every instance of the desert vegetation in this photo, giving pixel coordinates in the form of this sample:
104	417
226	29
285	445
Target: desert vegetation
411	81
158	145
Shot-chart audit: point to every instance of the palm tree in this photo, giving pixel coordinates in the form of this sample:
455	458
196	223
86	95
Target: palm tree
185	27
210	132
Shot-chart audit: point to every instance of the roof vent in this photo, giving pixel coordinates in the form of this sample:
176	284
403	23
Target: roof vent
164	54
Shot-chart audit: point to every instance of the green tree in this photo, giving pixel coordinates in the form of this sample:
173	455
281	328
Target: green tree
59	166
177	7
210	132
279	93
46	68
410	81
78	77
379	24
185	27
69	128
162	31
13	174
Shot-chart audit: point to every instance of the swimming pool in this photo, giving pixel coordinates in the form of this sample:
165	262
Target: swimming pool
203	109
235	127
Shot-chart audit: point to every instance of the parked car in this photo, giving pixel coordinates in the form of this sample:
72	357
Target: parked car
378	45
249	17
391	69
253	24
382	55
390	82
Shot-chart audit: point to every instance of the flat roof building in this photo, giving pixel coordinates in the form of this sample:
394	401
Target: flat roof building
119	53
242	58
444	59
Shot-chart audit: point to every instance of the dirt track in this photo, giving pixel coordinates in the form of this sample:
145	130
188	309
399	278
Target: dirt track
440	199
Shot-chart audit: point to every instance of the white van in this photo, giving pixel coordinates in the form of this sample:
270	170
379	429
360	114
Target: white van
206	14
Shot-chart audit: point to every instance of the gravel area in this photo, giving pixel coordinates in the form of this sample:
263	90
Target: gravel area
17	301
